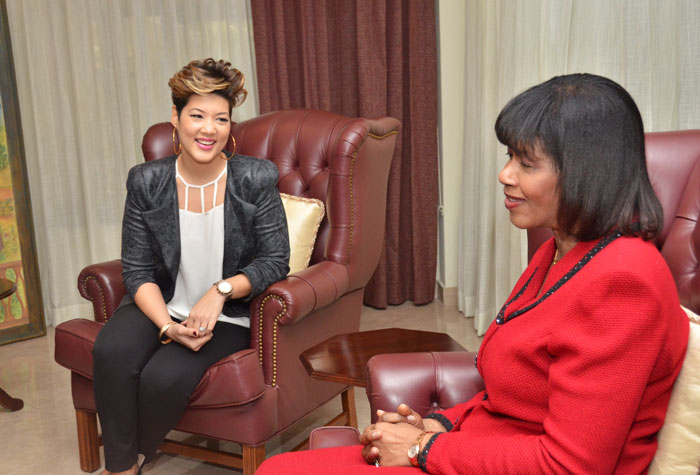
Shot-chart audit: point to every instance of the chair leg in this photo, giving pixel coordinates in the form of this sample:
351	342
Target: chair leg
252	458
88	441
348	400
213	444
10	403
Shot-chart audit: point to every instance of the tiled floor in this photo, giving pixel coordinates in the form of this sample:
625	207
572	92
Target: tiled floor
41	438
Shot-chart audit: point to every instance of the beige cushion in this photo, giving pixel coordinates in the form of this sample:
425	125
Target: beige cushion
304	216
679	438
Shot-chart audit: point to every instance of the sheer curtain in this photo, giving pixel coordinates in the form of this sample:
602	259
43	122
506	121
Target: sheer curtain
92	77
649	47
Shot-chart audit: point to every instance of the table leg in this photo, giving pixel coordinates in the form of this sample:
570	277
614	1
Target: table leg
348	400
8	402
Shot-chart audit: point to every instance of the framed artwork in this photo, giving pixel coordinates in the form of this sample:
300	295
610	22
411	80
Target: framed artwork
22	312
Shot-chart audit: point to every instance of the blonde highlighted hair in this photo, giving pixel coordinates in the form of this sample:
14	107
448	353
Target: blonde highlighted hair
208	76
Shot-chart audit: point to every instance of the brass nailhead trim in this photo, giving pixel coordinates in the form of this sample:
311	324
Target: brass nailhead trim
352	206
83	287
260	329
352	195
274	333
380	137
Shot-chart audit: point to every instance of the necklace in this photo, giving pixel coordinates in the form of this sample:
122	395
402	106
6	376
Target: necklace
501	318
201	188
557	257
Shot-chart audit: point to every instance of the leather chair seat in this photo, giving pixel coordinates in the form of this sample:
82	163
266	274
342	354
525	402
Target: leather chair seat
232	381
74	342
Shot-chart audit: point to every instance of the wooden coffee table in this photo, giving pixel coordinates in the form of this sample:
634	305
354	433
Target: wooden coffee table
7	288
342	358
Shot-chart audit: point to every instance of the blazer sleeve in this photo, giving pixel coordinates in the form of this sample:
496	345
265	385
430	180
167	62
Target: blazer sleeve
138	260
270	232
602	360
450	417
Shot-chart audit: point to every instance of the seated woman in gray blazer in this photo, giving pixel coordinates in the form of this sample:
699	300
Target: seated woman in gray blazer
203	233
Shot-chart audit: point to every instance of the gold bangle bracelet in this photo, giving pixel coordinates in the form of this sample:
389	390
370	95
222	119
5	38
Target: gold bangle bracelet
162	332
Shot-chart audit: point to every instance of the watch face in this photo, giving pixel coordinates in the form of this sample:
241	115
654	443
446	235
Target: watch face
224	287
413	451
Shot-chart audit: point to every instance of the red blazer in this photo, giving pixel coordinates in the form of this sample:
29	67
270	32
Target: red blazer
579	382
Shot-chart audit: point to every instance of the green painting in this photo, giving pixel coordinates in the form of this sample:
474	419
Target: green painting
13	310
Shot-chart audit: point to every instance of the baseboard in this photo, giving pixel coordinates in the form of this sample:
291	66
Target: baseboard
447	295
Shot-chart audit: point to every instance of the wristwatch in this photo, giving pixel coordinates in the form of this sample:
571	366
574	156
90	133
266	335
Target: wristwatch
413	453
414	450
224	288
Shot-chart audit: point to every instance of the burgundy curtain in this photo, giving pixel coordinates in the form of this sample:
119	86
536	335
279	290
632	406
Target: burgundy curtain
367	58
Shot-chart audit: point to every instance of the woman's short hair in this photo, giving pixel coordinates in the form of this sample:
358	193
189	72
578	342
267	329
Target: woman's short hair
591	129
208	76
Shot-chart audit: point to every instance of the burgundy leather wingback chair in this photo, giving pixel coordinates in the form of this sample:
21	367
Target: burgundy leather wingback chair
429	382
256	393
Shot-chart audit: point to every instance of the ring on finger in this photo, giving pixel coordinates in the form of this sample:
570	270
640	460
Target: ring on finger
202	329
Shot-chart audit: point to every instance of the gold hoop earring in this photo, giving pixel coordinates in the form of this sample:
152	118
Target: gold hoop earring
176	151
234	149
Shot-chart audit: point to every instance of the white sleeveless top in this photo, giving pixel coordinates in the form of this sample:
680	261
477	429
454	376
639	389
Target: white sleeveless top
201	253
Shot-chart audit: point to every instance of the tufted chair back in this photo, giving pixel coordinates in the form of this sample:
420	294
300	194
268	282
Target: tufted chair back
673	160
313	168
673	163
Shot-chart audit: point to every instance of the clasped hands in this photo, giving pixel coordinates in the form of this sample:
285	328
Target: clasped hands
388	440
197	330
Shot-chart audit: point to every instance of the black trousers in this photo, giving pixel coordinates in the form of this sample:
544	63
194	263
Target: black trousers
142	387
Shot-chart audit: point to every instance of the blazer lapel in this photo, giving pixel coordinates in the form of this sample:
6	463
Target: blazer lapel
164	224
234	217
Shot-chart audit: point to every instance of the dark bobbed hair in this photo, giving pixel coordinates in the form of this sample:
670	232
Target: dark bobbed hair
592	131
208	76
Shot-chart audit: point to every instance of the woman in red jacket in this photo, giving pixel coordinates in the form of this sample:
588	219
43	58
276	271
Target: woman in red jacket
580	361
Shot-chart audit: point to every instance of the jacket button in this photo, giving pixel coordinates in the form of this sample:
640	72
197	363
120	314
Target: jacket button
486	396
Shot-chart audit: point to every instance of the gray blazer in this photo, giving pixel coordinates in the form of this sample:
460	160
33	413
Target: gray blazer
256	242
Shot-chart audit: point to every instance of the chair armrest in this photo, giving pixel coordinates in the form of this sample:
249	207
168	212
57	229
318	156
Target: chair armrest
333	436
427	382
301	293
102	284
